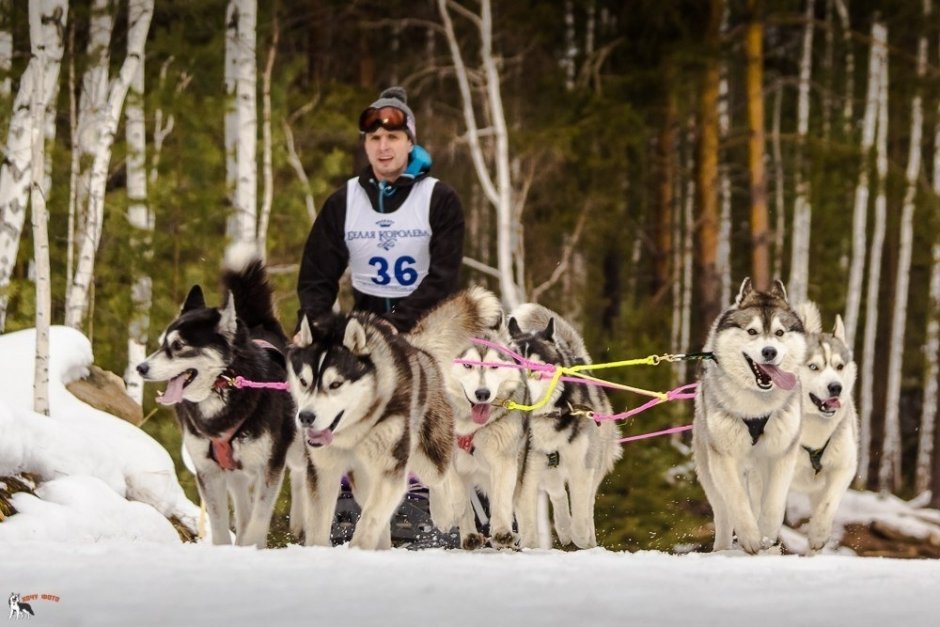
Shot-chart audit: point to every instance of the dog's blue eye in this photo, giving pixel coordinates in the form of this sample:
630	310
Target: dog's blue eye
813	367
335	385
752	331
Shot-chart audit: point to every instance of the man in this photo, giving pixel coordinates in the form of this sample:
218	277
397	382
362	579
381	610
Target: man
399	230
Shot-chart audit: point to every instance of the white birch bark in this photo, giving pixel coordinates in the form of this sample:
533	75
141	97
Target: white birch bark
141	220
848	102
723	257
688	241
876	58
802	210
928	421
889	475
827	65
874	275
38	212
74	166
568	63
15	173
244	15
267	169
231	109
76	303
6	50
779	182
499	193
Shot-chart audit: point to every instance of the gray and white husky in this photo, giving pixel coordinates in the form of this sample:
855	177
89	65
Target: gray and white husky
747	416
373	404
566	449
239	439
491	438
828	456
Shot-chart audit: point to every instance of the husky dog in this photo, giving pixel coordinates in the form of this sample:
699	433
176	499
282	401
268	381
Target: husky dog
491	438
373	403
565	447
828	456
19	609
747	416
239	439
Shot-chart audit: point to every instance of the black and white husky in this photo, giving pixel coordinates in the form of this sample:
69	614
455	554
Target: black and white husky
746	436
828	456
373	403
19	609
491	438
239	439
566	449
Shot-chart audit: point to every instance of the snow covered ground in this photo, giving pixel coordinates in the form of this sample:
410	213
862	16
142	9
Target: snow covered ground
94	548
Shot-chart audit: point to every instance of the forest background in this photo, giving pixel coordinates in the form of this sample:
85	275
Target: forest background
625	163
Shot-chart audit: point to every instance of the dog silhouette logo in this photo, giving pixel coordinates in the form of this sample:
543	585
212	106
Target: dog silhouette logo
20	609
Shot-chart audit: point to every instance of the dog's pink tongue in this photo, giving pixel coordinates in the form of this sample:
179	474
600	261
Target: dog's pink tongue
321	438
832	402
173	393
786	380
480	413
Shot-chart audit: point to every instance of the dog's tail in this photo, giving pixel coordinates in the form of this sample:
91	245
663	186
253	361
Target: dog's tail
809	314
245	277
449	328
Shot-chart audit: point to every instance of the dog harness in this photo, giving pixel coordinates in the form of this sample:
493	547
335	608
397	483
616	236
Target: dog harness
755	427
466	443
220	448
815	455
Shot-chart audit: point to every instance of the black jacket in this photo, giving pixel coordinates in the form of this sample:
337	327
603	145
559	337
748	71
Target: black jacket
325	254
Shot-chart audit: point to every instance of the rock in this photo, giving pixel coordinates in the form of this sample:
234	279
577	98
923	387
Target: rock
105	391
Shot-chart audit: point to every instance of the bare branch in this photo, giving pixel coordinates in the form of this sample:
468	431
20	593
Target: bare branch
562	266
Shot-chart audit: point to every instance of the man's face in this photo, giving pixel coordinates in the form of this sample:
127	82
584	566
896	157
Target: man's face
388	152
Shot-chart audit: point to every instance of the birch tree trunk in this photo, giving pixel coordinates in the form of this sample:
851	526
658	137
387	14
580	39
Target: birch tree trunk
267	197
779	181
923	477
876	59
140	219
760	235
848	102
246	187
688	244
723	256
15	173
500	192
802	211
76	303
889	476
568	58
6	51
38	211
874	276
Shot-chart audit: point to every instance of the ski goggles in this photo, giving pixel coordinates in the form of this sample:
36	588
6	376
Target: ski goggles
389	118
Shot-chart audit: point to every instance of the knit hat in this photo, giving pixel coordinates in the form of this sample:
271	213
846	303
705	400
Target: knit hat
396	97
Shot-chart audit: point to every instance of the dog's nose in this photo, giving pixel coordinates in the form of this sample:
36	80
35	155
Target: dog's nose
835	389
482	394
143	368
306	418
769	353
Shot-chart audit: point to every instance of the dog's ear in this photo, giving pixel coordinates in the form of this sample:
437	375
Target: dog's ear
839	331
778	290
355	338
228	323
549	332
304	335
194	300
746	288
513	327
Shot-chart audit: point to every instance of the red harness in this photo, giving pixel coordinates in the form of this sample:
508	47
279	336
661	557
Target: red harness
466	442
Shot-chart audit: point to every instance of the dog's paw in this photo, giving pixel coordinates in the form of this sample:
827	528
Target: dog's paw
472	541
564	535
750	542
503	539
